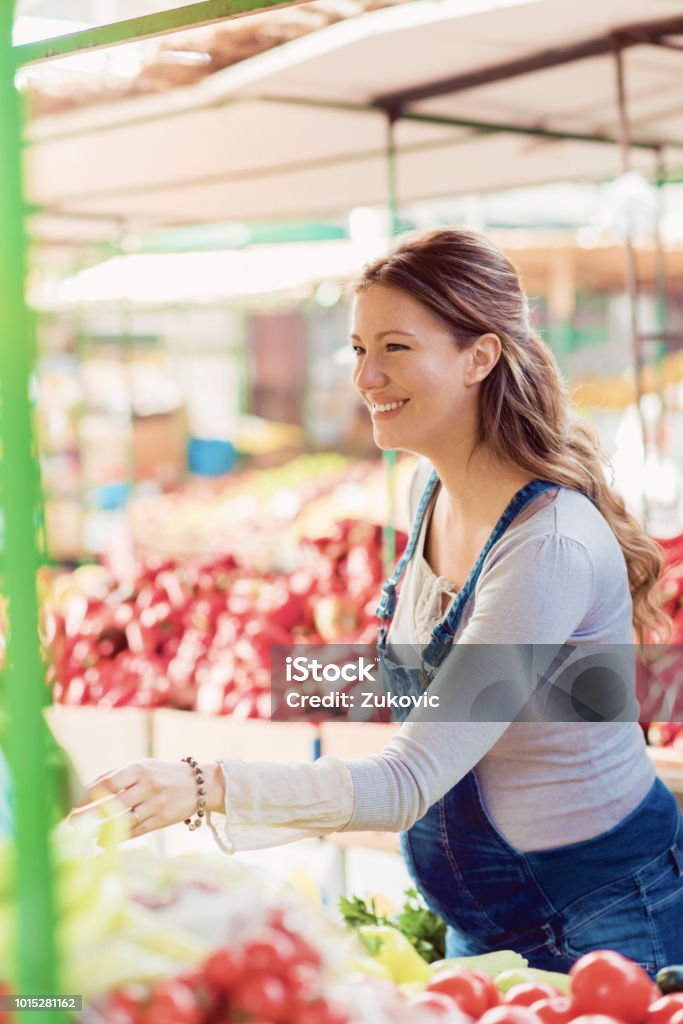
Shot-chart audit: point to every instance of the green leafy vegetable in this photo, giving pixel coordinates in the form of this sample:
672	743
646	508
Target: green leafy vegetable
425	930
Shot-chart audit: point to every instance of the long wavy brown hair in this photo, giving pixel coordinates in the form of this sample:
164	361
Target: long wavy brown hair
526	416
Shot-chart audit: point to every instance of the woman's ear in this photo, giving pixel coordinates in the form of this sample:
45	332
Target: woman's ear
483	356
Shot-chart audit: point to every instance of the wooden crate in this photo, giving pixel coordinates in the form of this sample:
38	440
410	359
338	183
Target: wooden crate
99	739
178	734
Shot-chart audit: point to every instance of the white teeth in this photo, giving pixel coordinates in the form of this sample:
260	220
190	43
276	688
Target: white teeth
391	405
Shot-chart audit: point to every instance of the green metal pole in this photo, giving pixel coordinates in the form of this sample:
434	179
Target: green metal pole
144	27
389	457
24	675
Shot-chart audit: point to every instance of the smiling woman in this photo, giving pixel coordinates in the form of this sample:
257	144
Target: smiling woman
518	542
486	384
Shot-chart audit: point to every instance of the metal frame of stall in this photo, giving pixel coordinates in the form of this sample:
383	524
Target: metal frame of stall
26	737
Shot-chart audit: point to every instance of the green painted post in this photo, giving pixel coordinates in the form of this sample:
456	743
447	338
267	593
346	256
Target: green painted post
389	458
187	16
24	676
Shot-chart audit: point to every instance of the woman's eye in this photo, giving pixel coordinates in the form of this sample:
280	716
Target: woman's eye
394	346
358	349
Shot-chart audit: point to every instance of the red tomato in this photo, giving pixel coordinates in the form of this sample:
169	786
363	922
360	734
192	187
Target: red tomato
124	1004
271	951
597	1018
224	969
473	992
506	1014
440	1005
662	1010
305	952
303	981
605	982
172	1002
558	1010
491	989
261	995
529	993
317	1012
207	995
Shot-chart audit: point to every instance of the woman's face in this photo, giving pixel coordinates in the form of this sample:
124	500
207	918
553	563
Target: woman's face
410	374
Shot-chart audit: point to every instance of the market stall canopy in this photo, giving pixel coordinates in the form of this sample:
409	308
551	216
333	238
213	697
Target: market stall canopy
486	95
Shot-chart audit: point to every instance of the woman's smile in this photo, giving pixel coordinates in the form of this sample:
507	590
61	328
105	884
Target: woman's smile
387	408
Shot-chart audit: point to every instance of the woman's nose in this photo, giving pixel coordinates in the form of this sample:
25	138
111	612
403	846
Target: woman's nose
369	374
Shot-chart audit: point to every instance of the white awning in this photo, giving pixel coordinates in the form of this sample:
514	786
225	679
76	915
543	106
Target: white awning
293	132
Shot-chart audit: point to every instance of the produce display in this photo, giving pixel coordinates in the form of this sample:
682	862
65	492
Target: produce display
260	515
660	667
672	583
198	635
204	940
277	558
195	939
602	987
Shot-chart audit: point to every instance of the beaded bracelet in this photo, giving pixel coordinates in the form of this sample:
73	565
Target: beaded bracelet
201	794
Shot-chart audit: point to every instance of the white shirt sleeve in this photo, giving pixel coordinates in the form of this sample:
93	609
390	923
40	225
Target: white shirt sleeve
267	804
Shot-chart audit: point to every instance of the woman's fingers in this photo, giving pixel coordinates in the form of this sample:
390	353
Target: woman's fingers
133	795
143	819
151	793
113	781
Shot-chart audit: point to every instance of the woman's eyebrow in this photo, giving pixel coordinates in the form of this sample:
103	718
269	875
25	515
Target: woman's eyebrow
382	334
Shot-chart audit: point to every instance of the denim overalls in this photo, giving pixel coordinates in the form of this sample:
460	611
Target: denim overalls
622	890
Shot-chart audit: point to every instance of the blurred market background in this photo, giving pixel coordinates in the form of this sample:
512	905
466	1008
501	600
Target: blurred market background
210	484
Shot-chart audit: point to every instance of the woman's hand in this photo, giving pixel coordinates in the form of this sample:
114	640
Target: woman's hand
159	793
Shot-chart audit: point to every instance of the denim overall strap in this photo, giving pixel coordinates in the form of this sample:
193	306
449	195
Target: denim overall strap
443	633
387	605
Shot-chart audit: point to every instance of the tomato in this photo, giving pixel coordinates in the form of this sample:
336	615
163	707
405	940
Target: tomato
530	992
305	952
597	1018
261	995
606	982
556	1010
224	969
662	1010
271	951
303	981
123	1006
507	1014
474	993
493	994
208	997
317	1012
172	1002
439	1005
